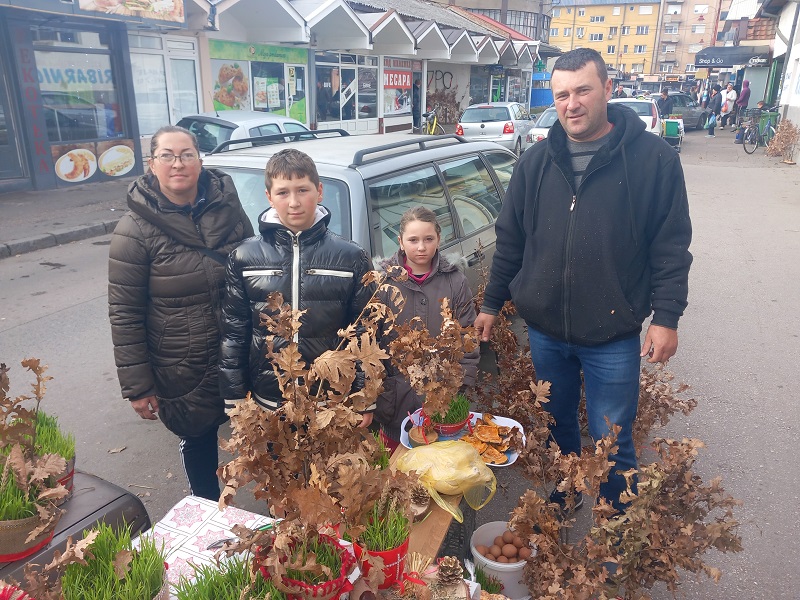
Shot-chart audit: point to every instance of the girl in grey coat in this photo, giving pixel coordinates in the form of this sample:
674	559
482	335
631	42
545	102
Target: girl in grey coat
431	277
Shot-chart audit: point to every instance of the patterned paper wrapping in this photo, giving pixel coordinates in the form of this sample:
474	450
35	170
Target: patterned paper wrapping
189	527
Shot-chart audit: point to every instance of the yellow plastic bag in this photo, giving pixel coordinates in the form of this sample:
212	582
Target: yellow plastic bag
452	467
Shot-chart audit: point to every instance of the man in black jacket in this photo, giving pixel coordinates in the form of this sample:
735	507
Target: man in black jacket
665	104
592	238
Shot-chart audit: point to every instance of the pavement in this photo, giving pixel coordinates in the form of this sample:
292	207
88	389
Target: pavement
34	220
38	219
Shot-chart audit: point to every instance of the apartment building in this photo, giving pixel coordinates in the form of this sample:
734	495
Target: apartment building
624	32
687	27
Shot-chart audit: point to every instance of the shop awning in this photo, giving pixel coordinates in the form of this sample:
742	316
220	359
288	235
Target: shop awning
273	20
462	48
390	35
334	24
488	54
526	55
508	55
430	40
718	57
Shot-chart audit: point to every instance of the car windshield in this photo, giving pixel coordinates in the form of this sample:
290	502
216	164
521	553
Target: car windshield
209	135
547	119
643	109
485	114
250	186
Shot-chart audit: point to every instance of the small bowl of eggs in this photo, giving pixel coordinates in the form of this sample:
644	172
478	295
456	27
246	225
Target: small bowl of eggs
502	554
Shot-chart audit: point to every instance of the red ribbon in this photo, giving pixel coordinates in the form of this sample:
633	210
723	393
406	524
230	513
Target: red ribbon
408	577
28	552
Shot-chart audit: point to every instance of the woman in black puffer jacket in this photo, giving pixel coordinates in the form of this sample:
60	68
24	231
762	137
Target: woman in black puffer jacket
166	283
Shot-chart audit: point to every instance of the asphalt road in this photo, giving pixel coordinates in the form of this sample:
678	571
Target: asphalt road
738	349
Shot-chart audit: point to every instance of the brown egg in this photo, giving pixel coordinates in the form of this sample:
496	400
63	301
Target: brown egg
496	550
524	553
518	542
508	537
481	549
498	541
502	559
489	556
509	551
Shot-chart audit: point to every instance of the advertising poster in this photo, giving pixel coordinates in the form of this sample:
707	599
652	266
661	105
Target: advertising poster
81	162
231	84
398	79
260	93
162	10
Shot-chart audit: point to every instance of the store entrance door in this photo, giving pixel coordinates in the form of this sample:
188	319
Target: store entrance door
295	78
10	151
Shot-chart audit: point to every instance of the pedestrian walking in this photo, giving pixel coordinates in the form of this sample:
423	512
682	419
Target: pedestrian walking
166	276
431	277
416	104
728	105
592	239
744	99
714	105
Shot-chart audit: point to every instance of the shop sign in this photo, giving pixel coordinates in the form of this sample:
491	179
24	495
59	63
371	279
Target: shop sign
496	69
158	10
401	63
397	79
228	50
397	91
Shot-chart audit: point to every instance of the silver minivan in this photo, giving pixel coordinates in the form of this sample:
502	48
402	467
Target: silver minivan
369	181
506	123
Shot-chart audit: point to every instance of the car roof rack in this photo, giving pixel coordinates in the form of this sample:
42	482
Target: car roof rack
293	136
423	144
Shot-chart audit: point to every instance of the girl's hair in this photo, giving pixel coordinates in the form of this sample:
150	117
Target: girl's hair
419	213
172	129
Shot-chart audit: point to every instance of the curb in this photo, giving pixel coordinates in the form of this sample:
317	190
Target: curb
56	237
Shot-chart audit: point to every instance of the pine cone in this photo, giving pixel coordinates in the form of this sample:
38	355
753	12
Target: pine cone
450	571
419	495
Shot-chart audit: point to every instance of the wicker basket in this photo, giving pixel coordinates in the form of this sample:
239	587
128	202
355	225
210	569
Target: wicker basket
13	535
163	593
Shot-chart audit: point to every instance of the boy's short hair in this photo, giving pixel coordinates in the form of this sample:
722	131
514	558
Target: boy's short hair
290	163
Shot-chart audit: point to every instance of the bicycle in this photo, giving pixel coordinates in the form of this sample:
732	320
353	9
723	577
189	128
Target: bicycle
754	136
430	122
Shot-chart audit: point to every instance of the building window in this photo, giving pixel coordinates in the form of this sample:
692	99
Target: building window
639	49
695	48
581	12
625	49
646	10
567	31
579	31
701	9
668	48
615	11
691	68
595	37
556	12
674	9
670	29
637	68
626	30
611	50
554	32
597	19
491	13
698	28
612	31
569	11
643	30
665	67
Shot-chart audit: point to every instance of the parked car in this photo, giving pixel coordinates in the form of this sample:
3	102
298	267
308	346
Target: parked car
369	181
506	123
214	128
645	108
542	126
692	113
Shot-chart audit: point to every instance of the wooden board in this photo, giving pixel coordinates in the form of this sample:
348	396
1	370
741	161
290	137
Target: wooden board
427	536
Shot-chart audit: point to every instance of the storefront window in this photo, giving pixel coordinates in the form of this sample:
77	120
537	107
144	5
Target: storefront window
345	92
268	87
150	91
397	83
79	96
478	85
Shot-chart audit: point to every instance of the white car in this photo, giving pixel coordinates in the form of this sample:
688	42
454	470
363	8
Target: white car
542	126
506	123
214	128
646	109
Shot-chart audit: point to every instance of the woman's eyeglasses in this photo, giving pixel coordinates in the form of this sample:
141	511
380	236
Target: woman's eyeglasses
187	158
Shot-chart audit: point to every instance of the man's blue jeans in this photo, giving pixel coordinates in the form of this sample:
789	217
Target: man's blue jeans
611	377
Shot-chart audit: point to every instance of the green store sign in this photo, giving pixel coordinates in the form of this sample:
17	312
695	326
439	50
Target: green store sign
256	52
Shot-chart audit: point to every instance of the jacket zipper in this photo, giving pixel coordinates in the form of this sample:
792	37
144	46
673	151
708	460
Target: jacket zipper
330	272
296	278
566	275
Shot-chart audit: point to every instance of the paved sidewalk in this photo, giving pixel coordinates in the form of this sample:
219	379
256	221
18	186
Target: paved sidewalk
33	220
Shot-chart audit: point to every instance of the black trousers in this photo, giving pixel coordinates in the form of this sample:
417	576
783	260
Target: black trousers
200	456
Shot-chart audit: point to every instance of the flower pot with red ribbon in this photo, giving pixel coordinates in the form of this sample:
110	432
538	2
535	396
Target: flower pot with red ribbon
394	562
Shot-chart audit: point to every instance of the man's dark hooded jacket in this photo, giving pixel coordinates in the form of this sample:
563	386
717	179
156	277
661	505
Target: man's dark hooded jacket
165	298
587	266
